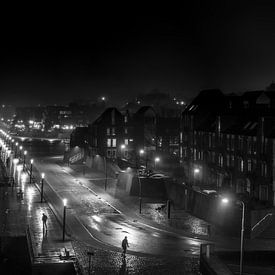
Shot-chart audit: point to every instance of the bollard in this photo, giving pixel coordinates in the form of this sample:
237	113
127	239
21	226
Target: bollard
90	254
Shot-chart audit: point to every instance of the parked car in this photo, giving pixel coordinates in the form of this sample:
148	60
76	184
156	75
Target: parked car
158	176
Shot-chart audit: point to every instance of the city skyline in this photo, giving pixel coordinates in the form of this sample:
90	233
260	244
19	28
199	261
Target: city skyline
120	54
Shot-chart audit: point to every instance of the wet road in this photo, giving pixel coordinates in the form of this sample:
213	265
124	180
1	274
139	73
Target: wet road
104	222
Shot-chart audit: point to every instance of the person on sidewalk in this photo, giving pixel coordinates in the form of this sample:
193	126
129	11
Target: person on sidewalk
44	220
124	245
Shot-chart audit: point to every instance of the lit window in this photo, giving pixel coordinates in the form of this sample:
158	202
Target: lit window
114	142
108	142
126	141
108	131
249	165
241	165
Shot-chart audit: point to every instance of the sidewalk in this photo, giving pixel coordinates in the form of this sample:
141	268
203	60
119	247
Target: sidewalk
26	213
180	222
46	247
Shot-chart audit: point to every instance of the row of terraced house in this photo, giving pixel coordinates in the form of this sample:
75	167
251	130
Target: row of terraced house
222	142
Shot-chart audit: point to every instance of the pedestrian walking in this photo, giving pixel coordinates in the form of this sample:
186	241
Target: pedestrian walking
124	245
44	220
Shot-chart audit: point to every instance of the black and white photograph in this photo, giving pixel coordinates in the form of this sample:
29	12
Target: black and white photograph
137	138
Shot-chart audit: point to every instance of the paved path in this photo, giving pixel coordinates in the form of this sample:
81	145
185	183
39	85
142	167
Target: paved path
28	212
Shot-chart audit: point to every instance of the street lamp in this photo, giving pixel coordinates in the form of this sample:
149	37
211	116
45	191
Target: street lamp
64	218
157	159
196	171
105	166
24	161
20	149
42	186
122	147
16	144
12	142
226	201
15	161
90	254
84	167
31	171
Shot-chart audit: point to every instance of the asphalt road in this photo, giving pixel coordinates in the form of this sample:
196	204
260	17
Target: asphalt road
92	219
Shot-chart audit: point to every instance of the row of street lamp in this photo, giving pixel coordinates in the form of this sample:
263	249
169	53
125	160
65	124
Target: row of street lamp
7	151
7	144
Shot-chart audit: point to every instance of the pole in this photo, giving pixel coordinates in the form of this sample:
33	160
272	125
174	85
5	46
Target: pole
89	269
105	184
90	254
168	209
24	162
242	235
42	187
140	200
64	219
31	174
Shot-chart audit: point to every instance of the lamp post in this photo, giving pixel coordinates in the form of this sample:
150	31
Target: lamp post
141	153
31	171
84	167
157	159
42	186
24	161
15	161
195	172
226	201
105	166
12	142
64	218
16	145
90	254
122	147
20	151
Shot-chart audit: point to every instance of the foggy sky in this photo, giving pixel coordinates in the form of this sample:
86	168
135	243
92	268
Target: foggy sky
181	50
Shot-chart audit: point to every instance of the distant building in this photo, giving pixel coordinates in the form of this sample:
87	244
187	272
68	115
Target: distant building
136	137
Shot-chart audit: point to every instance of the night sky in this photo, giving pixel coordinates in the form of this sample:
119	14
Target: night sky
54	57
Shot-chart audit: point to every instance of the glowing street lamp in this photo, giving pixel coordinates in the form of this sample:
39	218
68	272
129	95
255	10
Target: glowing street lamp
122	147
15	162
42	186
24	161
157	160
31	171
16	145
226	201
196	171
64	218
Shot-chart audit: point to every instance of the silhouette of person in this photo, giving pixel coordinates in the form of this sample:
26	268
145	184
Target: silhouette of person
124	245
44	220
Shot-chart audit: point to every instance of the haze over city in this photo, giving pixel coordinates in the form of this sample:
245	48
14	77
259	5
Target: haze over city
116	53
